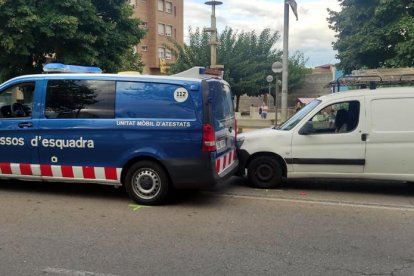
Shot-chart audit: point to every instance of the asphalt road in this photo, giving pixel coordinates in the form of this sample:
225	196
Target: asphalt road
304	228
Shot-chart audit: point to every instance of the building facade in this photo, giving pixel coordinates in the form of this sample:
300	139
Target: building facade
163	19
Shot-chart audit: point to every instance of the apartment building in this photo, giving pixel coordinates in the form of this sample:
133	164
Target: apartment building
163	19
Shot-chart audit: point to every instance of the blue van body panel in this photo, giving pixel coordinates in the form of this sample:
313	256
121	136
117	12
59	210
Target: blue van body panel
148	123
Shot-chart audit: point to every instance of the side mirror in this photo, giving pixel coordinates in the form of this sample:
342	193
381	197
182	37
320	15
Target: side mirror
307	129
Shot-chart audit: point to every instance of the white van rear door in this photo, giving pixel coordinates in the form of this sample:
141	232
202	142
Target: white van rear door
329	147
390	136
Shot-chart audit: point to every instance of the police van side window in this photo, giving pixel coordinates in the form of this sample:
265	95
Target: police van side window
16	101
70	99
153	100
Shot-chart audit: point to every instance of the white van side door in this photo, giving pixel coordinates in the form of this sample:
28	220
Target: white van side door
390	136
331	141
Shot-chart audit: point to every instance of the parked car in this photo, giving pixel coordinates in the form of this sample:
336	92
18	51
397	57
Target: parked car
355	134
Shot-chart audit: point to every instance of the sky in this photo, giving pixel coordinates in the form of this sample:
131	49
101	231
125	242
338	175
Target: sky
309	35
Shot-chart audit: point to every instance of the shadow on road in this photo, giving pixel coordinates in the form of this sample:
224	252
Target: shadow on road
97	191
199	197
63	188
360	186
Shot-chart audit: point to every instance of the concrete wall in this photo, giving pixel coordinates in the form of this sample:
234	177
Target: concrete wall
315	85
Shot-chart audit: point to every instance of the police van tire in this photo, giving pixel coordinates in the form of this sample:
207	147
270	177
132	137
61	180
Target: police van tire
264	172
146	182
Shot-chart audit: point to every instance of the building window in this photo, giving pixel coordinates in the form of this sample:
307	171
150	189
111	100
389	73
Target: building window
168	30
161	29
168	54
144	25
175	11
168	7
161	52
161	5
144	48
134	50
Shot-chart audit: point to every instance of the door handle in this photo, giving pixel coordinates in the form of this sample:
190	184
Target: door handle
364	137
25	125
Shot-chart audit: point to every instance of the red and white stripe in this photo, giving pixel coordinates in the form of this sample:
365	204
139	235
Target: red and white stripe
225	161
67	172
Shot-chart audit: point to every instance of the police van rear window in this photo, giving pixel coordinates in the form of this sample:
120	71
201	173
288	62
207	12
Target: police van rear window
222	101
69	99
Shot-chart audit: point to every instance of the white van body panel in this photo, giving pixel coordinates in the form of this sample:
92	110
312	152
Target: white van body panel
390	140
269	140
381	146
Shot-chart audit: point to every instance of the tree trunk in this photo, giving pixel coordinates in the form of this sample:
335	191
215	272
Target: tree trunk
237	102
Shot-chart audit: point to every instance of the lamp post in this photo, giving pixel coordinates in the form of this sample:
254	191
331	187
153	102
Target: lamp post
277	68
213	34
269	79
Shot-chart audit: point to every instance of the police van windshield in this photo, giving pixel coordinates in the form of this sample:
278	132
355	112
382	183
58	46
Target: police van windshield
298	116
222	105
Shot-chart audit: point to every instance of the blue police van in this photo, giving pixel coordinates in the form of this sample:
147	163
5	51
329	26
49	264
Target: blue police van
148	133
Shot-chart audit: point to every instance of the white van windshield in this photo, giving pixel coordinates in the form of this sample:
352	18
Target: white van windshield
298	116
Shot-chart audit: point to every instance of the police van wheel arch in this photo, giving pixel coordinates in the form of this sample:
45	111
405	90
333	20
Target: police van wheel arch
146	182
264	172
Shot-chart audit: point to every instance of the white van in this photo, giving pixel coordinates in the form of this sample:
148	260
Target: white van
354	134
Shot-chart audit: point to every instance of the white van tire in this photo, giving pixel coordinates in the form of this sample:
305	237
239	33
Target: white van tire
146	182
264	172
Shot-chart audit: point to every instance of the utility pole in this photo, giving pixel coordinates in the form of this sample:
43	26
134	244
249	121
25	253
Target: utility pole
285	62
213	34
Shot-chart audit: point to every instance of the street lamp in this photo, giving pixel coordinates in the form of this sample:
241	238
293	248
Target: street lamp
277	68
269	79
213	34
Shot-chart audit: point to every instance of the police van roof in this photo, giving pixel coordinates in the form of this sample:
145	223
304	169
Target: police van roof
74	71
194	73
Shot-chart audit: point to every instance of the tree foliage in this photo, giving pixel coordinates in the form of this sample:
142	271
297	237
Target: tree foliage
247	58
87	32
374	34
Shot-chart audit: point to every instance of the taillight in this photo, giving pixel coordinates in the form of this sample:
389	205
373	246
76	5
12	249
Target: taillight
209	138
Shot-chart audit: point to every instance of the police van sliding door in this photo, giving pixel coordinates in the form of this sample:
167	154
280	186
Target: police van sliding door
17	128
76	131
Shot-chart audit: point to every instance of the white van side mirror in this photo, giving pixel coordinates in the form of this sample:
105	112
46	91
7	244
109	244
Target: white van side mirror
307	128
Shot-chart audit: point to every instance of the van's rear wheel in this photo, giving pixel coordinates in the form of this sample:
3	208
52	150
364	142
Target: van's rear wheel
146	182
264	172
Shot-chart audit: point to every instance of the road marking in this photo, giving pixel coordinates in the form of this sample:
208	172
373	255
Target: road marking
328	202
63	271
136	207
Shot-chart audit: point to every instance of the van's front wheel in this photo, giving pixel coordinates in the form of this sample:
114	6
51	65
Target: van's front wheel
264	172
146	182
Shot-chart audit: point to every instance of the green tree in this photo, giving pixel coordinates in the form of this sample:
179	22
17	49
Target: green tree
247	58
87	32
194	54
374	34
131	61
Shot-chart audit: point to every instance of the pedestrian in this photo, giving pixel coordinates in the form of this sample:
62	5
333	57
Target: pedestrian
298	106
264	110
